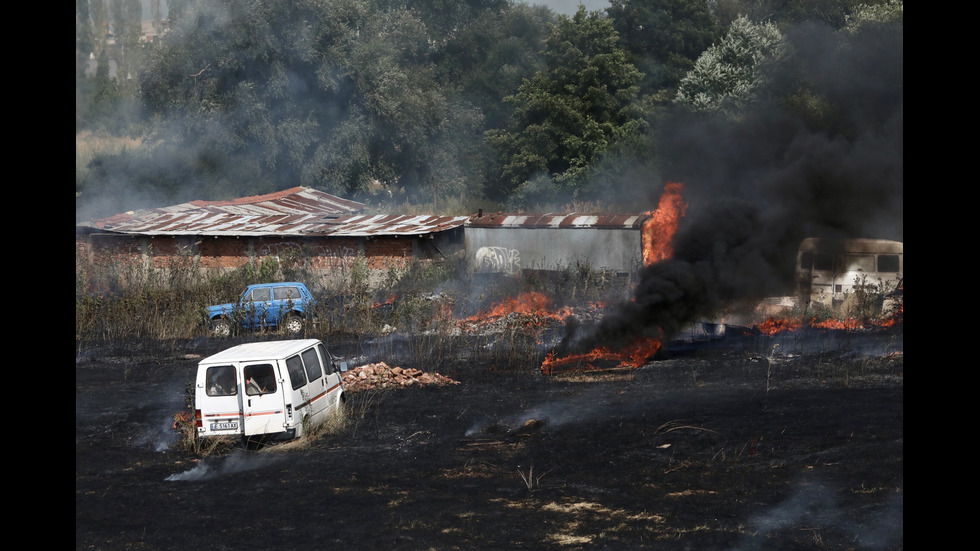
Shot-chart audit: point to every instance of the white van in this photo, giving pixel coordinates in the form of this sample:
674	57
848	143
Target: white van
267	389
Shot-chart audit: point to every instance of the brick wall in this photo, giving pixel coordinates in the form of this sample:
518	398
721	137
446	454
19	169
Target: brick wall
329	255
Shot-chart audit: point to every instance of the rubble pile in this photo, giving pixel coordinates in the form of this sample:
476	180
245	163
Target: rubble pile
381	376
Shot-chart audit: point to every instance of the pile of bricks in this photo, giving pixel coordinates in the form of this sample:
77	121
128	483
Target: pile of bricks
381	376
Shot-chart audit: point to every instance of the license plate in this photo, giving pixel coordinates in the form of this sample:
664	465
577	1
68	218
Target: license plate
232	425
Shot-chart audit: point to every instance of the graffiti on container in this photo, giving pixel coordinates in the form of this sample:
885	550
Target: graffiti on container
498	259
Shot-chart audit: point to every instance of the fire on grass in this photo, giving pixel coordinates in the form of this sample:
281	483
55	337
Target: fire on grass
656	240
771	326
632	356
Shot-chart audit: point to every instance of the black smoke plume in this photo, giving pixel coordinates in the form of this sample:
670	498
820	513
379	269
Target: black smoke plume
759	183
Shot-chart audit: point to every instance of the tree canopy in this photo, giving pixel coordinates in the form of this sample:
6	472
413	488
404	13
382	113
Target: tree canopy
390	102
570	112
664	37
728	74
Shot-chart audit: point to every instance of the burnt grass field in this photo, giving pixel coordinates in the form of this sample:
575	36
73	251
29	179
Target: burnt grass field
793	441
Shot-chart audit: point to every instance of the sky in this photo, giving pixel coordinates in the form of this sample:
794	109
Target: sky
565	7
569	7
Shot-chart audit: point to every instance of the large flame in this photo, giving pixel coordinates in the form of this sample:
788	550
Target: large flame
633	356
772	326
656	240
523	304
658	230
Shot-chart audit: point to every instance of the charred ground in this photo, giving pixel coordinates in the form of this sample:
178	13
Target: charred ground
746	442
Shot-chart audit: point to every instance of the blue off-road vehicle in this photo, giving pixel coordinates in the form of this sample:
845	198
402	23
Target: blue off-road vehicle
288	306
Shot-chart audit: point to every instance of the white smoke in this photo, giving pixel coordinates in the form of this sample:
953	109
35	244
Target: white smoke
594	404
237	462
814	506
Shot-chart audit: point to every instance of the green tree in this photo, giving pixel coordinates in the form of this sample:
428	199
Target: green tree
489	58
664	38
99	11
892	12
401	119
728	74
84	46
83	38
786	13
568	114
340	95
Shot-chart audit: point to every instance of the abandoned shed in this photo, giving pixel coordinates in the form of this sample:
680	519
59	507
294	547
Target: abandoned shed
297	225
326	234
515	243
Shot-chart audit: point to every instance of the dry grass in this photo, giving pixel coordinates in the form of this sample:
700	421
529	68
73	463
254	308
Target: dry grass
335	422
88	145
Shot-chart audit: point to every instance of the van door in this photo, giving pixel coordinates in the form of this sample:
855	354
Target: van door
816	277
298	392
333	377
219	400
263	403
317	383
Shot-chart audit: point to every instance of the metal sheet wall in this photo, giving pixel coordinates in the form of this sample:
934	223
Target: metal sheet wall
510	249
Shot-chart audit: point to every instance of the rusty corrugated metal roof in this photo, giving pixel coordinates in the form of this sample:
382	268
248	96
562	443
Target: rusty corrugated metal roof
554	220
304	211
390	224
293	200
292	211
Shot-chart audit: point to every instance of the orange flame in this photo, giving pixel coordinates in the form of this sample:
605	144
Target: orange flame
658	230
771	326
386	302
655	238
632	355
847	323
182	417
525	303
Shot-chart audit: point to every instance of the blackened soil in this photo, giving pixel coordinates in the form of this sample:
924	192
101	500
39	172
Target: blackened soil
740	444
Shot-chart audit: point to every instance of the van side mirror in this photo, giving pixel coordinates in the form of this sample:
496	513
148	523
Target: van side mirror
343	366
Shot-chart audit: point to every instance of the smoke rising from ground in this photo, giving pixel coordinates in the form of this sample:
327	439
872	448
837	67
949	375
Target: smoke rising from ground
814	505
232	464
760	182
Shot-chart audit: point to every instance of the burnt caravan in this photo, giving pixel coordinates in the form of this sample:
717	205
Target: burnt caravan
830	270
515	243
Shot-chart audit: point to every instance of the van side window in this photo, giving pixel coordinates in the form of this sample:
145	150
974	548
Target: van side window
259	379
295	367
806	260
823	262
327	358
888	263
312	364
221	381
857	263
